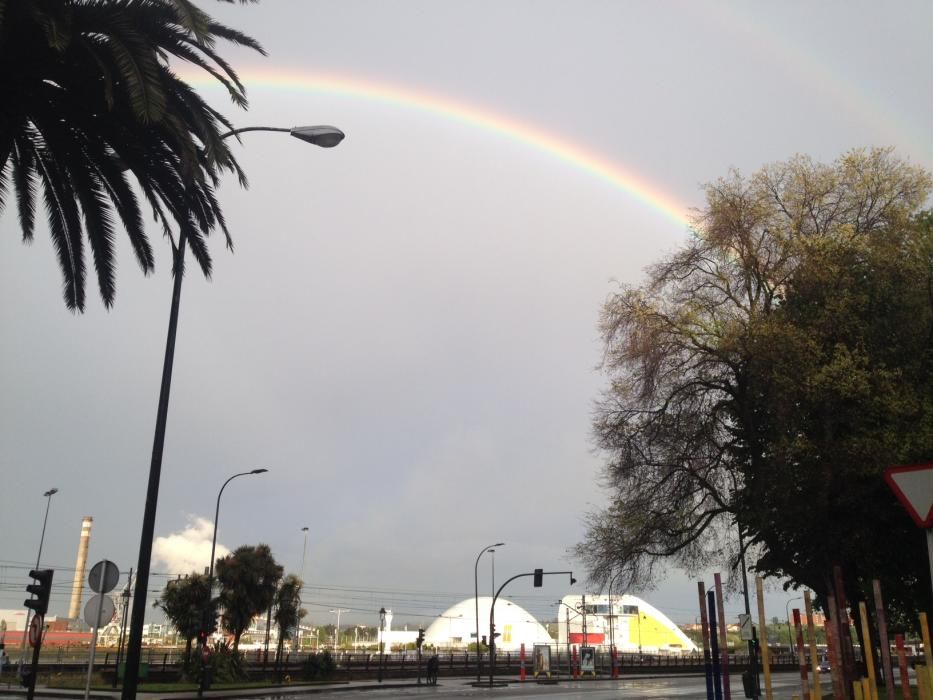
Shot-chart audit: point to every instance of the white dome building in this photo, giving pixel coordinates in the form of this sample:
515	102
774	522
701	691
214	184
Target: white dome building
456	627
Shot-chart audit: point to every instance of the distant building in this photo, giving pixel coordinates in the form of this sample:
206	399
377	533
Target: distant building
631	624
456	627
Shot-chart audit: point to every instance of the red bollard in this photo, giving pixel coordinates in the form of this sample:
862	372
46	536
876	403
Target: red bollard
521	669
902	663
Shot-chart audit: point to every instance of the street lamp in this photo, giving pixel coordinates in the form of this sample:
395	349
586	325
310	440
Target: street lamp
210	575
382	642
337	628
304	549
205	616
612	623
48	504
479	655
790	638
325	137
576	613
492	559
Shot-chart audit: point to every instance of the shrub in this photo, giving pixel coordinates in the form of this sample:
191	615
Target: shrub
319	667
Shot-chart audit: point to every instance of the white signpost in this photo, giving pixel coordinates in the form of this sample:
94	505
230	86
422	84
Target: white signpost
745	627
102	579
913	486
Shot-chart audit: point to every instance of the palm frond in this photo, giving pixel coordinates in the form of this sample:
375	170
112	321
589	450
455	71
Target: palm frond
24	180
65	227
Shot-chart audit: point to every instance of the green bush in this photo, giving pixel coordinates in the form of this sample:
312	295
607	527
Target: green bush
319	667
225	664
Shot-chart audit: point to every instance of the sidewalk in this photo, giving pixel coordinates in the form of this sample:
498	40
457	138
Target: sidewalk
293	689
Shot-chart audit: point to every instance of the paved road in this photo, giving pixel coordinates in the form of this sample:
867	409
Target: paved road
785	686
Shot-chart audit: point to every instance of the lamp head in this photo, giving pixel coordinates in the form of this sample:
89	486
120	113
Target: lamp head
259	471
50	492
304	529
572	580
323	136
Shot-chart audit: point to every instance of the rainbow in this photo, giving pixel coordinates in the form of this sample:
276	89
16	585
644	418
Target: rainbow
470	115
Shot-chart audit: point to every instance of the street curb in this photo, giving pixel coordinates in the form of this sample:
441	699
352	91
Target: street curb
215	694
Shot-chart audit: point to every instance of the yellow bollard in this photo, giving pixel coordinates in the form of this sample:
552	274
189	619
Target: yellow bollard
922	691
866	688
815	693
762	624
857	690
867	647
928	655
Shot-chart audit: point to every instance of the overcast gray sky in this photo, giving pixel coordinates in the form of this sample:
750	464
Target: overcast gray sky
406	334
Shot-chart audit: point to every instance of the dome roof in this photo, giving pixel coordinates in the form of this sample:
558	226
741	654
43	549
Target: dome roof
456	627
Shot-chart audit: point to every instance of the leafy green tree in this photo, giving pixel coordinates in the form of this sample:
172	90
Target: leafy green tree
94	116
185	603
249	579
841	387
288	611
771	368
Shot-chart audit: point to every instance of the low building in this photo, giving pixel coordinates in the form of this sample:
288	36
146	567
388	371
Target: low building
456	627
630	624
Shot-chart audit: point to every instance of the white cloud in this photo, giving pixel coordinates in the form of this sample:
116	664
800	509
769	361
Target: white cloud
188	550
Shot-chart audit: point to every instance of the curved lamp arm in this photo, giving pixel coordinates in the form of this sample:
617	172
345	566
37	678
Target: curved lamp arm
323	136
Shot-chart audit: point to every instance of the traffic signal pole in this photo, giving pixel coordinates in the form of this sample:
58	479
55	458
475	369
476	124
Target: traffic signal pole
538	575
40	605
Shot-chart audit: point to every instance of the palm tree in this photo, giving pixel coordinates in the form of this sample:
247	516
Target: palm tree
184	601
90	100
248	581
288	612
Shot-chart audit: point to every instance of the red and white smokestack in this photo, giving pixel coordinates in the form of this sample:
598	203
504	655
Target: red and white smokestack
77	588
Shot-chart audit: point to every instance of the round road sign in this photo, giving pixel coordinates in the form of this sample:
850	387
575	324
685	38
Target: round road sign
107	610
35	631
104	576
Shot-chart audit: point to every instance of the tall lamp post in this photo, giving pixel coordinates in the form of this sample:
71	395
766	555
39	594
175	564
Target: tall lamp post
382	641
612	618
479	654
48	504
210	575
337	628
205	615
304	549
323	136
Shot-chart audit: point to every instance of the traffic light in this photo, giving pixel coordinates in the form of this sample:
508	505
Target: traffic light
208	622
420	639
539	577
484	641
41	590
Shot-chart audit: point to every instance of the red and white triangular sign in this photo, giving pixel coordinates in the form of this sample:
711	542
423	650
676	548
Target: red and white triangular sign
913	487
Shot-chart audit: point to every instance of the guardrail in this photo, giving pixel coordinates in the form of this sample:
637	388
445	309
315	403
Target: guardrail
360	665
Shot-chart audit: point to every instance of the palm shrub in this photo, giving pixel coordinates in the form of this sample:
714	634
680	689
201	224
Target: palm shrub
319	667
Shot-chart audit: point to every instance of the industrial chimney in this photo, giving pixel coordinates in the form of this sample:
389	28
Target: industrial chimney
77	588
